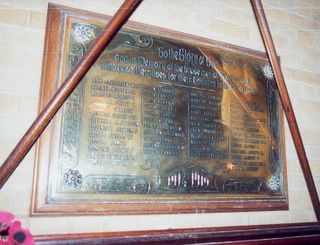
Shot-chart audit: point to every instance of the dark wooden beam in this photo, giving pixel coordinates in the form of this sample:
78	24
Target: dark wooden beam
286	103
45	116
296	233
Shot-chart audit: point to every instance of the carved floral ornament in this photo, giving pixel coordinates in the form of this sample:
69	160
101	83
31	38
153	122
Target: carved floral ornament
83	33
72	179
267	71
274	183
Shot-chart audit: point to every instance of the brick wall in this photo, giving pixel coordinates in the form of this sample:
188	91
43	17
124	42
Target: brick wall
295	26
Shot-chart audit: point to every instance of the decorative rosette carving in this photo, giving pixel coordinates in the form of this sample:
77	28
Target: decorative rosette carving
274	183
72	179
267	71
83	33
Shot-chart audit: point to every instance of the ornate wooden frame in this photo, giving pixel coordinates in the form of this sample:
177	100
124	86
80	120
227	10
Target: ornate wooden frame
58	16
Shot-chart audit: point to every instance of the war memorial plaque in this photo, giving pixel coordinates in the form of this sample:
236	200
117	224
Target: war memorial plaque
163	122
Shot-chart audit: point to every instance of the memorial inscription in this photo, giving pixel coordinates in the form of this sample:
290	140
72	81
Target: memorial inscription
160	118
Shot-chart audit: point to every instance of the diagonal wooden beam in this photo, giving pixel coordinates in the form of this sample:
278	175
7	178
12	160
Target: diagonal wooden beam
286	103
63	92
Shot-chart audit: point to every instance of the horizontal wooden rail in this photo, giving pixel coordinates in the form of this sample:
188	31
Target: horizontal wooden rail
286	103
296	233
41	122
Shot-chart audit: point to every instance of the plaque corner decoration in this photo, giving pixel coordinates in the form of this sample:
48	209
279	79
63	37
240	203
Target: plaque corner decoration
162	123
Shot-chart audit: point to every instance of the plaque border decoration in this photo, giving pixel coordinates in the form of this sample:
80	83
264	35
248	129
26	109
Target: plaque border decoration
51	74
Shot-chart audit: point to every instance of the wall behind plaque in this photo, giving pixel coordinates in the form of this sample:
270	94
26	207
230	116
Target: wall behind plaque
295	26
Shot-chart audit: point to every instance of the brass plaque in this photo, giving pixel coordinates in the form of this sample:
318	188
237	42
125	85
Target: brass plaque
159	118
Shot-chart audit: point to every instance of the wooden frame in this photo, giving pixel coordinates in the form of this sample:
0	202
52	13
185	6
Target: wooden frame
54	55
32	135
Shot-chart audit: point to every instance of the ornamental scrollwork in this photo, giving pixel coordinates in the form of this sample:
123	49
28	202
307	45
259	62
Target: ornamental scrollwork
116	184
242	185
137	41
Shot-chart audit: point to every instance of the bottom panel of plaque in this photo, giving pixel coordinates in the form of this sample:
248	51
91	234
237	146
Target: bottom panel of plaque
159	206
156	207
